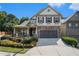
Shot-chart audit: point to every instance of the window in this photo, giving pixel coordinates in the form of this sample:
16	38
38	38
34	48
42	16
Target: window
76	25
33	21
40	19
70	25
56	19
48	19
77	16
48	10
73	25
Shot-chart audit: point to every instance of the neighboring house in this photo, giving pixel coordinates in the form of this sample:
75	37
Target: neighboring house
48	23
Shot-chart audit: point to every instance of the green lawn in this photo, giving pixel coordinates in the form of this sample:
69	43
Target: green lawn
13	50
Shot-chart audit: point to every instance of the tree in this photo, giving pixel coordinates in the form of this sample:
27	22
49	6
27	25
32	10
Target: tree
23	19
7	21
10	22
3	15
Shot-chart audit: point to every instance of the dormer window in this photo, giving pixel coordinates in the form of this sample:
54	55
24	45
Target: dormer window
56	19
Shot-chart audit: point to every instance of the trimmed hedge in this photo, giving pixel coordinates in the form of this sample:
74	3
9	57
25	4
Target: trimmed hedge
70	40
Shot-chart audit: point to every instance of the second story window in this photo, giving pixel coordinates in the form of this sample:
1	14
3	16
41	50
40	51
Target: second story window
48	19
56	19
40	19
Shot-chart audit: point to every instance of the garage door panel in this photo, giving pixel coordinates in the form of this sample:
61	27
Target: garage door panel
48	34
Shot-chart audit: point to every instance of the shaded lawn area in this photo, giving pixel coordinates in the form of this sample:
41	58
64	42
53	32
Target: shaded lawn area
13	50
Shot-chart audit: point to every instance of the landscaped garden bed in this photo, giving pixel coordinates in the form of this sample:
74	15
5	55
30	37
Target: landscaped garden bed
16	44
70	40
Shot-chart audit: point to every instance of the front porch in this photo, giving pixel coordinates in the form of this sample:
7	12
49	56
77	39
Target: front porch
24	31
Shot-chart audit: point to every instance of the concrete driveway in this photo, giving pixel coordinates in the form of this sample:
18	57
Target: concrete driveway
60	49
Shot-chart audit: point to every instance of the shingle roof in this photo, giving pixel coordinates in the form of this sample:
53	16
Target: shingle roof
24	24
69	17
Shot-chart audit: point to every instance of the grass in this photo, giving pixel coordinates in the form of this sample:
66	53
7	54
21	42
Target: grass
13	50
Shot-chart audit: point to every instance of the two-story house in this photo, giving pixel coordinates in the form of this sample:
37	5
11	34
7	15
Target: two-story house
48	23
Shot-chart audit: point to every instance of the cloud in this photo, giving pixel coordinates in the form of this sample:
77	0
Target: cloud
74	6
56	4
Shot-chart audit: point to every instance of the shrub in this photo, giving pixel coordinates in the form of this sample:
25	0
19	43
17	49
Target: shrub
70	40
9	43
33	39
5	37
18	40
6	43
26	40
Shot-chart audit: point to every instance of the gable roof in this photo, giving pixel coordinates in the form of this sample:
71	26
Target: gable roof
70	17
46	8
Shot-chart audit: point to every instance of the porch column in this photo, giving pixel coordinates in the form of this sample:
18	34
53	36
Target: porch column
27	31
36	32
14	33
44	19
22	32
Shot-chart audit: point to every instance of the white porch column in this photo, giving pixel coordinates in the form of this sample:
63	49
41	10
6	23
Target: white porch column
36	30
37	20
44	19
14	33
28	32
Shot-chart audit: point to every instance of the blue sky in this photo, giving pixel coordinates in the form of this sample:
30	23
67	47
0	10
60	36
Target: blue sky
30	9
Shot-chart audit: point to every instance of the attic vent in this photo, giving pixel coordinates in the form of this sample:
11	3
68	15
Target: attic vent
48	10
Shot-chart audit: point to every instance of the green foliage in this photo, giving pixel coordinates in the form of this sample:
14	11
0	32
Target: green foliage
5	37
70	40
7	21
9	43
19	42
23	19
26	40
29	40
33	38
13	49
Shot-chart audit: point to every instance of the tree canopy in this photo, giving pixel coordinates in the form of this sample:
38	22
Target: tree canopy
7	21
23	19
